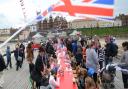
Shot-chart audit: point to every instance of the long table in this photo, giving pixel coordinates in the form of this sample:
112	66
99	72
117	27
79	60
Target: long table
66	81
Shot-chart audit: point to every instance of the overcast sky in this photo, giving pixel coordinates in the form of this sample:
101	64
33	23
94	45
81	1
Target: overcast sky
11	14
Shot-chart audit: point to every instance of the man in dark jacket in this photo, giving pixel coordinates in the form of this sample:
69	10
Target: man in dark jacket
110	51
39	74
22	50
17	54
2	67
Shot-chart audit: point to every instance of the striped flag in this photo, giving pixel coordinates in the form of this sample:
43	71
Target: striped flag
90	8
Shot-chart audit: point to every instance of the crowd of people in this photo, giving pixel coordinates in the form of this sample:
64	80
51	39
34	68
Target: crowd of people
86	57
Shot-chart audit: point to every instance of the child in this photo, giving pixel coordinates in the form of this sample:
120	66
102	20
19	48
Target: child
53	81
89	83
101	56
54	64
81	78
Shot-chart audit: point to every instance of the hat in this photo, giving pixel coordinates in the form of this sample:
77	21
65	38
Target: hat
90	72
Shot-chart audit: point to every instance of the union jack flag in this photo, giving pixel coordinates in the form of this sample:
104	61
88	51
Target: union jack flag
90	8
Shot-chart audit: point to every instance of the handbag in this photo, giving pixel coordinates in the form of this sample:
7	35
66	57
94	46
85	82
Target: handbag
124	67
19	58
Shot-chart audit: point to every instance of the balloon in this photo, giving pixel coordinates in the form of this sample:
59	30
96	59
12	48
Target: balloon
90	72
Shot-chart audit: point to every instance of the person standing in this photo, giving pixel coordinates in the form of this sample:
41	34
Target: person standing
92	60
2	67
50	49
22	49
79	57
74	47
69	45
16	55
101	56
8	55
111	50
124	62
40	70
29	56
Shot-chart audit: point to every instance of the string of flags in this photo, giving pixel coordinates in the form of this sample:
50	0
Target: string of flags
45	12
23	9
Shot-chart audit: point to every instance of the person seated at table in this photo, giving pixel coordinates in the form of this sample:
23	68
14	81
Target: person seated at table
69	53
67	58
78	69
79	57
89	83
54	64
53	80
83	64
90	73
81	78
47	77
73	62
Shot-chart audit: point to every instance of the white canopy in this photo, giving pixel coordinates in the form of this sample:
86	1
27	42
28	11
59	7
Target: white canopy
38	38
74	33
50	35
38	35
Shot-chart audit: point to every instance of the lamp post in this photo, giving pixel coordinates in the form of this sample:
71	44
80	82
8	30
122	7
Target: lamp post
118	25
97	24
91	31
24	37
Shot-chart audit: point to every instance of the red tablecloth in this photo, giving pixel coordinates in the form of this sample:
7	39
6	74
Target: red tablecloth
66	81
36	46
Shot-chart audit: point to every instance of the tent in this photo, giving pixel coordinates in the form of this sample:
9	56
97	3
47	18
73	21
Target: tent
50	35
38	35
38	38
75	32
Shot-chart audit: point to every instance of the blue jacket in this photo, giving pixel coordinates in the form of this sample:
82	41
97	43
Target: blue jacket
74	47
8	53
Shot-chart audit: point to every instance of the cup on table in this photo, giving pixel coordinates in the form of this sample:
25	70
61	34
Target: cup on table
74	80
